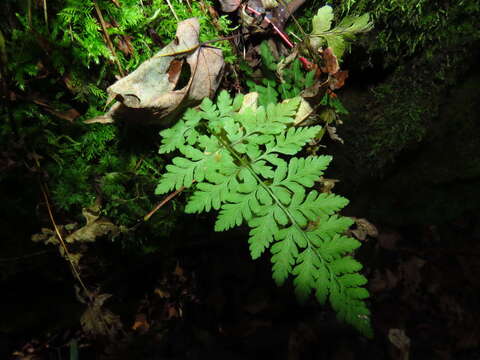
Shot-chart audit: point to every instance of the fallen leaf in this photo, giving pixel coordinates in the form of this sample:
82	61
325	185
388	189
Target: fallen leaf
337	80
99	321
401	341
332	133
94	228
330	61
229	5
303	112
149	93
364	228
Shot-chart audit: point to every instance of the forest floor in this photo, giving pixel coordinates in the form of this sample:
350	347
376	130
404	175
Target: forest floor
209	301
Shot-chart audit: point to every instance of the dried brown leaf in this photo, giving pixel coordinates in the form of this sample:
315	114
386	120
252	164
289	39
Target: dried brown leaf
149	93
99	321
332	132
94	228
330	61
337	80
229	5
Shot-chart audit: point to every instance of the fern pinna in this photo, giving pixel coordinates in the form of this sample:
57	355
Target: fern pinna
239	160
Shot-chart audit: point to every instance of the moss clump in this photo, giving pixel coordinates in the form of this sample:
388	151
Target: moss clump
63	63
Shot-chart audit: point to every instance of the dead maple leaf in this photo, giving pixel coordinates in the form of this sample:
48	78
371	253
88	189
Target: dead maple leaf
151	93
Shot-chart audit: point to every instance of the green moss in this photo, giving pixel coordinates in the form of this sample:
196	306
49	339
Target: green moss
69	65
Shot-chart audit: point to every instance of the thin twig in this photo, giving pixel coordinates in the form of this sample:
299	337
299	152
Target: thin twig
277	30
107	37
173	11
75	271
45	13
163	202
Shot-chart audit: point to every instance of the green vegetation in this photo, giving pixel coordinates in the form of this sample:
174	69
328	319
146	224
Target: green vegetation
57	70
239	159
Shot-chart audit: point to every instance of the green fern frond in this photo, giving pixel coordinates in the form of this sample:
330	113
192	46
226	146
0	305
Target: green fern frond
337	38
237	160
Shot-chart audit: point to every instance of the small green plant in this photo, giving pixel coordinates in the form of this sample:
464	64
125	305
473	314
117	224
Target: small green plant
337	37
294	79
240	160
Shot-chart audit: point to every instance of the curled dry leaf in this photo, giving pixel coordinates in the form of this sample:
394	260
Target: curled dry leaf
332	133
364	228
337	80
154	91
94	228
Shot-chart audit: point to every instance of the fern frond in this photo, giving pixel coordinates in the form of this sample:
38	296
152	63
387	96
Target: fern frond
338	37
236	159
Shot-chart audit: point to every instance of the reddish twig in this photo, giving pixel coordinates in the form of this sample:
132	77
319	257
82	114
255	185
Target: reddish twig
163	202
277	30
